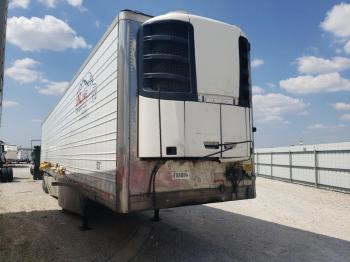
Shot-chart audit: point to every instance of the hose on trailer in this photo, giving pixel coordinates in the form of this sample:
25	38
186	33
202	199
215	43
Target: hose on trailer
152	180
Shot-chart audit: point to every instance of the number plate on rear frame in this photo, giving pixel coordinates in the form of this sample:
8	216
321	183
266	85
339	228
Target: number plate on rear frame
181	175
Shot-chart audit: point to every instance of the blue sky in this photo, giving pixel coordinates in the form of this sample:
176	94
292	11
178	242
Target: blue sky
300	53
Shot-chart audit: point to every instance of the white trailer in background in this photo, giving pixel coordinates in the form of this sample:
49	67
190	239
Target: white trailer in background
158	116
24	155
11	152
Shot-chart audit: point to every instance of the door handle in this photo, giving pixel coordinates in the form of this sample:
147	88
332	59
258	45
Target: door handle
211	145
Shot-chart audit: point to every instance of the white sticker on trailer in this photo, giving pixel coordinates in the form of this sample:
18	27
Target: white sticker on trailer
180	175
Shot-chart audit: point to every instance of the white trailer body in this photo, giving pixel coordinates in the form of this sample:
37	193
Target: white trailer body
159	115
24	155
11	152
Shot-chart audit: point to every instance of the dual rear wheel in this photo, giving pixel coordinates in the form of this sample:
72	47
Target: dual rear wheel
6	174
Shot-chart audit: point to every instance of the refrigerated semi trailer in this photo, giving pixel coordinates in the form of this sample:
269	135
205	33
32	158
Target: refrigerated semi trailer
158	116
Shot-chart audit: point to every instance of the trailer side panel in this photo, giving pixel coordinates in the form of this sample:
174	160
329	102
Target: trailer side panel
80	134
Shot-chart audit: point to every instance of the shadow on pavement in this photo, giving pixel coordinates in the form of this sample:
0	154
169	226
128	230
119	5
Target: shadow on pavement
198	233
203	233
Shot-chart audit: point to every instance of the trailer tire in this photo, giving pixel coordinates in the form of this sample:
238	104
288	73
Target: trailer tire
9	174
3	175
35	175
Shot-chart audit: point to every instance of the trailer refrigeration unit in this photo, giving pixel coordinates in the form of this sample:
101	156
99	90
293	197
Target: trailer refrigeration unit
158	116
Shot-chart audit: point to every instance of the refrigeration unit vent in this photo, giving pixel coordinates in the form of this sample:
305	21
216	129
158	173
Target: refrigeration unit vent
244	76
166	61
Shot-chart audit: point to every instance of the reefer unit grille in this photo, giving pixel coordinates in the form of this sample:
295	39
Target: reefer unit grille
166	61
244	75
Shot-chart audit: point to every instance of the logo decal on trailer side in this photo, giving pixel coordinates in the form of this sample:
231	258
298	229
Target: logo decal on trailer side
87	92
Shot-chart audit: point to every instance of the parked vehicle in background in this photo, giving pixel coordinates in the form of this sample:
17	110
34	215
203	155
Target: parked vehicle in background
11	152
34	168
158	116
6	173
24	155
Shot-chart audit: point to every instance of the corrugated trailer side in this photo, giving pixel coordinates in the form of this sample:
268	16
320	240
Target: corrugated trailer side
80	133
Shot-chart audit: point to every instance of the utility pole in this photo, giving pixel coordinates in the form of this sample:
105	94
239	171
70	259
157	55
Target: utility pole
3	23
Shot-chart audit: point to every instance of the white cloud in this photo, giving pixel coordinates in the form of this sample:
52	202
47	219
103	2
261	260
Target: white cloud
19	3
78	4
9	103
337	20
316	84
342	106
274	106
257	90
53	3
346	117
257	62
24	71
49	3
75	3
53	88
321	74
317	126
318	65
42	33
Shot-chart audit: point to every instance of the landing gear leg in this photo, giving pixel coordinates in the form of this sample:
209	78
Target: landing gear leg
156	217
85	215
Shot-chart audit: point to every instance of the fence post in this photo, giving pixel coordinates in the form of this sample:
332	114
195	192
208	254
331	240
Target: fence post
271	159
290	167
315	167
